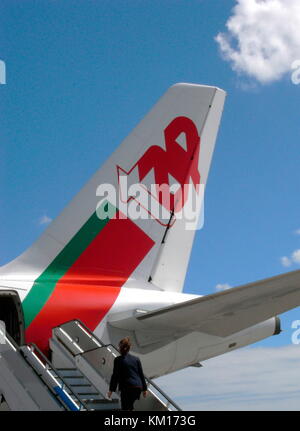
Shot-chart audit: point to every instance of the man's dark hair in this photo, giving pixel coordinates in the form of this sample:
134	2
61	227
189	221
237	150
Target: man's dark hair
124	345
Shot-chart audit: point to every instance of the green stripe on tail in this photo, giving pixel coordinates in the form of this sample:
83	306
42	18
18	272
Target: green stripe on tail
46	282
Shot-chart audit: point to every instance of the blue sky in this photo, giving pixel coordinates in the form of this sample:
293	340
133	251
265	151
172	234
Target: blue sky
81	74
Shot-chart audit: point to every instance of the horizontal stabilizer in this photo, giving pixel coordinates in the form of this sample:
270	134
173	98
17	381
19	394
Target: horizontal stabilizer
220	314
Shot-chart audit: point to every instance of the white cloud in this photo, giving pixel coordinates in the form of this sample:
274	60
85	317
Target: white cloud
297	232
225	286
285	261
45	220
262	39
296	256
246	379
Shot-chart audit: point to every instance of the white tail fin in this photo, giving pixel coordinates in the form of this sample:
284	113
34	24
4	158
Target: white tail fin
172	145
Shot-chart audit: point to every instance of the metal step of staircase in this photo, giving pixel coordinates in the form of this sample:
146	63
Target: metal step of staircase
86	391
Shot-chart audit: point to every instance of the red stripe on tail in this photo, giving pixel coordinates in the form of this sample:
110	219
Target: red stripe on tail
92	284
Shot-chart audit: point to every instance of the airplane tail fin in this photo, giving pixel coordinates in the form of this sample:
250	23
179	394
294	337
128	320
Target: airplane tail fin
129	220
170	266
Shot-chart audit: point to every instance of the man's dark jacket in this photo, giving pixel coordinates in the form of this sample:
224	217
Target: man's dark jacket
127	373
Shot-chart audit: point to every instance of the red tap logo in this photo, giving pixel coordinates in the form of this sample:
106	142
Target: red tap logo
179	160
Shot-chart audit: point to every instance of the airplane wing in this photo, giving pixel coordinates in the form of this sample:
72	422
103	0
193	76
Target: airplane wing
223	313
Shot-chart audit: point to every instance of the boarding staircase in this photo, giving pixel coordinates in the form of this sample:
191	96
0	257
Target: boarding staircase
28	380
77	378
